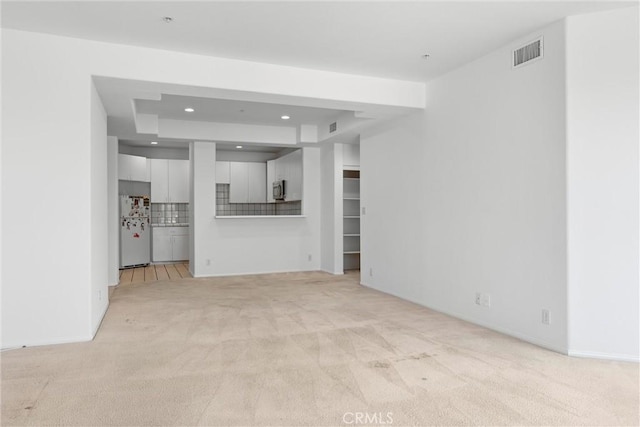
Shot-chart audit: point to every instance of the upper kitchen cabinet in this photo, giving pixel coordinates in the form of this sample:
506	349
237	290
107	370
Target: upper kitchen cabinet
289	169
271	176
247	182
133	168
223	172
169	181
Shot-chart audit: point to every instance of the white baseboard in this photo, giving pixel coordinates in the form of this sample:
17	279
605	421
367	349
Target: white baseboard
605	356
252	273
335	273
104	313
524	337
511	333
38	343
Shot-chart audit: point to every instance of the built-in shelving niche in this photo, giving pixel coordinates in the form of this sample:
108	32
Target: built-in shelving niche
351	219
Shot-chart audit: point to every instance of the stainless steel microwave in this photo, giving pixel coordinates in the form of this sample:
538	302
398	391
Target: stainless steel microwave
279	190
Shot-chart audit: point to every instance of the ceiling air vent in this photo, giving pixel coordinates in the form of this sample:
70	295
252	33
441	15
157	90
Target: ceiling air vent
528	53
333	127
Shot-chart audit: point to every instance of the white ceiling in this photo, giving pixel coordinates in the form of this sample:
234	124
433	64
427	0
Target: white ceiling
385	39
168	101
233	111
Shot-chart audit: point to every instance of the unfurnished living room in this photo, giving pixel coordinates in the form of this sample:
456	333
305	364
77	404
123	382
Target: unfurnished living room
309	213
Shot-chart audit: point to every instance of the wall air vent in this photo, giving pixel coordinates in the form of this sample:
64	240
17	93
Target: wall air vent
333	127
528	53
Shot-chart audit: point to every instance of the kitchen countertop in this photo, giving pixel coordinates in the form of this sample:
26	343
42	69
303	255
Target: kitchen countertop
258	216
180	224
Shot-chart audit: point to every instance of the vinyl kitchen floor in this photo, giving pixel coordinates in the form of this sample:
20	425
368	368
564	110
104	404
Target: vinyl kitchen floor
155	272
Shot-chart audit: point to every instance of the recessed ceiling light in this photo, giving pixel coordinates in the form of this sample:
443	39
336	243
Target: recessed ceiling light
238	146
167	19
285	117
189	110
154	142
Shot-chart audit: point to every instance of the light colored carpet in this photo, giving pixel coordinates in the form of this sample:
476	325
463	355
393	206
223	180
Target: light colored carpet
302	349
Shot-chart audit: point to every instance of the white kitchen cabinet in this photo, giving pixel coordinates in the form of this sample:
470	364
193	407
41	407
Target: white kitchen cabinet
179	181
180	247
294	190
159	181
289	169
124	167
133	168
170	244
271	176
247	182
169	181
238	182
222	173
162	248
257	182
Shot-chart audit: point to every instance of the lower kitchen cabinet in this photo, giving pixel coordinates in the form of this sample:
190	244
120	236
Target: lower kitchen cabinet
180	247
170	244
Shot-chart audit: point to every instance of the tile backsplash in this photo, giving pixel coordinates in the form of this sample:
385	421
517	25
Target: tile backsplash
169	213
224	208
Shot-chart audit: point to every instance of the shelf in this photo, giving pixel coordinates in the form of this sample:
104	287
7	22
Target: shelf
351	216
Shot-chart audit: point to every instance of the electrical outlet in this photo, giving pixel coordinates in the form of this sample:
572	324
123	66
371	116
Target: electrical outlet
208	261
309	257
486	300
478	298
364	210
546	319
371	272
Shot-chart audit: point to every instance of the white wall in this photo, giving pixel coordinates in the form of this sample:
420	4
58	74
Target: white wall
470	196
1	198
391	189
254	244
244	156
156	152
47	139
100	219
602	174
331	205
113	216
193	177
46	167
351	155
202	206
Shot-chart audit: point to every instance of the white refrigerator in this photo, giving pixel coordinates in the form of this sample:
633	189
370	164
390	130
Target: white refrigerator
135	231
